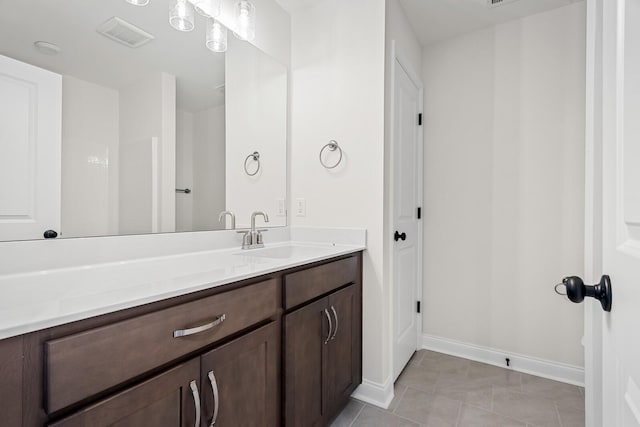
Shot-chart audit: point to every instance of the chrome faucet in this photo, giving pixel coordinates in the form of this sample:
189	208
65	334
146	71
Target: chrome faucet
222	216
252	239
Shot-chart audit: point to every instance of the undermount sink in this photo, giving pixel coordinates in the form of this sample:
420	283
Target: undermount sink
283	252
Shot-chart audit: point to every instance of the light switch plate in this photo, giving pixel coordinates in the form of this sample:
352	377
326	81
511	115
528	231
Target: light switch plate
301	207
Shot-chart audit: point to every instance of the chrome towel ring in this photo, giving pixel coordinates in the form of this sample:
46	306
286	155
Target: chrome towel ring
256	158
331	146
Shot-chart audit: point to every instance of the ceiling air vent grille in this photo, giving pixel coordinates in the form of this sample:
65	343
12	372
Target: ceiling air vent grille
124	32
494	3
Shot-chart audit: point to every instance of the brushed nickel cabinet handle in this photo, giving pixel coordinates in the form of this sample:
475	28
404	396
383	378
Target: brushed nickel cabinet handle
196	401
326	313
186	332
336	317
214	389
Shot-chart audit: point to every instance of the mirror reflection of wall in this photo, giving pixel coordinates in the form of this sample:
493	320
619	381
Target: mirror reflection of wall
140	119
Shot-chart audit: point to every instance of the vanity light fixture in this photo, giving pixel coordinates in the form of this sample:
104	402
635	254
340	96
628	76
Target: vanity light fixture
182	15
216	36
138	2
246	16
207	8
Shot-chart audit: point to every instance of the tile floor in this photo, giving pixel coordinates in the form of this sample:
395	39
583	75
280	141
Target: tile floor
440	390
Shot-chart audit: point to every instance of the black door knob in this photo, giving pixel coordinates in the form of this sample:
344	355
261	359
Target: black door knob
577	290
50	234
397	236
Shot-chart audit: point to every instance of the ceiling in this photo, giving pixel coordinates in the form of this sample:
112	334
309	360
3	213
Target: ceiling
71	24
434	20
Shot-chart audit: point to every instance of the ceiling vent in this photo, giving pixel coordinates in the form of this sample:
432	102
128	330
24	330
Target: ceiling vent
494	3
124	32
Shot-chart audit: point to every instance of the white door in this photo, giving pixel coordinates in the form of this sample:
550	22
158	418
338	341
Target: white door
407	176
30	150
619	45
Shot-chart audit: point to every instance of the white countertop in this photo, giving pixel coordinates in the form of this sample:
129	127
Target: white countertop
41	299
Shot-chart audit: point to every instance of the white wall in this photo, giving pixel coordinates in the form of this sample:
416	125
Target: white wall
256	120
504	189
148	109
208	168
89	159
338	93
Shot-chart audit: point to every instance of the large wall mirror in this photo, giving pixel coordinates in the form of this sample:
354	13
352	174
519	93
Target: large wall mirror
114	122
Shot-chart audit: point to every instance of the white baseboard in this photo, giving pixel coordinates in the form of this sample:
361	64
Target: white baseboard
518	362
376	394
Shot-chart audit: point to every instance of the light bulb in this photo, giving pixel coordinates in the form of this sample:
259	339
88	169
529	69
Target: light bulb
216	36
138	2
246	25
207	8
181	15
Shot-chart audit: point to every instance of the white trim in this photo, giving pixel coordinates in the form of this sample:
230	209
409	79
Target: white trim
521	363
398	59
376	394
593	212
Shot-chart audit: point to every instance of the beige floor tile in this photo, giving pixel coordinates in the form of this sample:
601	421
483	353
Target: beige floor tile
527	408
373	417
398	392
496	375
562	394
447	364
571	417
428	409
348	414
416	377
476	417
473	392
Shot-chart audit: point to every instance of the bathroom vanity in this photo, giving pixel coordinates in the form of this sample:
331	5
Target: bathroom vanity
280	348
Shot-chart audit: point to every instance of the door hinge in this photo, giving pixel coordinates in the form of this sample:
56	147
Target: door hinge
419	213
418	306
420	119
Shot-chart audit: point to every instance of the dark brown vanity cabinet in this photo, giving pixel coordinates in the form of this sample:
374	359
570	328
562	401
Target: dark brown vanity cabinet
281	349
323	353
240	381
235	384
170	399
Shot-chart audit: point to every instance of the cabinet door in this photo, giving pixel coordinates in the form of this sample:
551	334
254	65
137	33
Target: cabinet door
305	331
170	399
343	363
241	379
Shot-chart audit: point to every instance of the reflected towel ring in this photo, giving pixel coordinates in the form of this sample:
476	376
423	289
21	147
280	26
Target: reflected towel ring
332	146
256	157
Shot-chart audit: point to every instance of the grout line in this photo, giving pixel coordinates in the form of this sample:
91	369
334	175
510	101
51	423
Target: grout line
558	415
357	415
459	413
400	399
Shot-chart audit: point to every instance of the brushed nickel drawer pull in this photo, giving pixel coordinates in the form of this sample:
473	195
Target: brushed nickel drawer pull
326	313
336	317
186	332
216	398
196	401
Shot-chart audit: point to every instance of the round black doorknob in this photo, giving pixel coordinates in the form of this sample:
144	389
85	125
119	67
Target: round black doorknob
577	291
50	234
399	236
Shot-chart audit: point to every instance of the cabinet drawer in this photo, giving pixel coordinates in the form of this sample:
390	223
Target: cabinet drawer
81	365
307	284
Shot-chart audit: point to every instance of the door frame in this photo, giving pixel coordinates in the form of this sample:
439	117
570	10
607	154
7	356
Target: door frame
593	319
397	59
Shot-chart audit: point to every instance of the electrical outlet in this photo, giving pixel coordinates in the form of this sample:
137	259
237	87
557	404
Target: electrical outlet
282	209
301	207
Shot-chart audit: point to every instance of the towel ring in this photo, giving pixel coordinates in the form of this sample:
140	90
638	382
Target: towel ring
332	146
256	157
